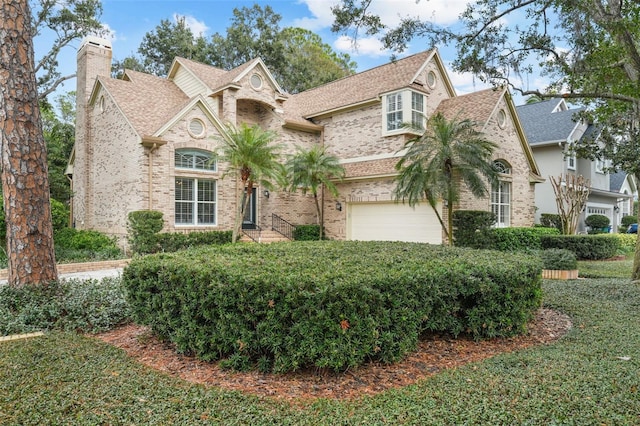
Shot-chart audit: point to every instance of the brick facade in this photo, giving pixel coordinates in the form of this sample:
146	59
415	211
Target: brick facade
120	168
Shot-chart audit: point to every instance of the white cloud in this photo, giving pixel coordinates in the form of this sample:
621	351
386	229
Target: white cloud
198	28
365	46
322	17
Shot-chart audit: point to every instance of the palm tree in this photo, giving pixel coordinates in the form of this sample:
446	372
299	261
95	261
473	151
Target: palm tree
312	169
253	158
447	153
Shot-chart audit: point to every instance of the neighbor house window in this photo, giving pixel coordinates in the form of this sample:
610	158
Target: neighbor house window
501	195
195	159
195	201
405	106
600	165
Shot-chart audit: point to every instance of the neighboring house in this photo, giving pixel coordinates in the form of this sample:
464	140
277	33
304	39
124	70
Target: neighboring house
552	129
145	142
625	184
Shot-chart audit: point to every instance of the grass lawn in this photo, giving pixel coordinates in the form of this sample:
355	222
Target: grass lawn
589	377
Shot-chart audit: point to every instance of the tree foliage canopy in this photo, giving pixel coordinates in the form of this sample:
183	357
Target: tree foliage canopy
297	58
68	21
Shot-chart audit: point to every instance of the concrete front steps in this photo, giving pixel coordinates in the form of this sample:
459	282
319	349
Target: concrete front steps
266	236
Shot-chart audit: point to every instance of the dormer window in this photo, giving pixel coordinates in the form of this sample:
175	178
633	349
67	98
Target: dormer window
394	111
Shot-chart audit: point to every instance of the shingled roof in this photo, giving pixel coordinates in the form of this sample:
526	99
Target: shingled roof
477	106
137	92
357	88
542	125
211	76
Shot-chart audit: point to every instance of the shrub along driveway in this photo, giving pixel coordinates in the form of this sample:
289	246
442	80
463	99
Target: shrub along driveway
589	377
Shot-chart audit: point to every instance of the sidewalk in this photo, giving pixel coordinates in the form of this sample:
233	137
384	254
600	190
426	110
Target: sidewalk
95	270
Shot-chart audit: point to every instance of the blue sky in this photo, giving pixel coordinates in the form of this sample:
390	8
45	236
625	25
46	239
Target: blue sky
128	21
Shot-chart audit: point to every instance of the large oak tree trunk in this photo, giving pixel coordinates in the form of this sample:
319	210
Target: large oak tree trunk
25	182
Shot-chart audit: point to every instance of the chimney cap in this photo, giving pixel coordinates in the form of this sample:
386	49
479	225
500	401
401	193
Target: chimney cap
95	41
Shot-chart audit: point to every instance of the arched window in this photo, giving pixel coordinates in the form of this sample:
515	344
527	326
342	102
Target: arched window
501	194
195	159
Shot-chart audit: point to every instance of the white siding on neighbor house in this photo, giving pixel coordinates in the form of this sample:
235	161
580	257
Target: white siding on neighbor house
393	222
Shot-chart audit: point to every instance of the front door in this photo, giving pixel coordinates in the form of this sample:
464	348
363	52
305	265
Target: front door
250	219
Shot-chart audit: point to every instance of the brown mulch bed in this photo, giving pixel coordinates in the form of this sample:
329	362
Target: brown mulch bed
433	355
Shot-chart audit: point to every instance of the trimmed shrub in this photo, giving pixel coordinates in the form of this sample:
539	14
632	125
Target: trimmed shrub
169	242
78	245
551	220
306	233
559	259
470	228
518	239
597	223
332	305
627	242
78	305
585	247
626	222
143	226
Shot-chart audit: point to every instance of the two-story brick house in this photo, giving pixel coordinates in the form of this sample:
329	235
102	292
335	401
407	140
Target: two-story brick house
145	142
552	128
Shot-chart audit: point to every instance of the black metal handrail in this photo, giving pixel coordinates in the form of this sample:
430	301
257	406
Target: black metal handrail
253	233
281	226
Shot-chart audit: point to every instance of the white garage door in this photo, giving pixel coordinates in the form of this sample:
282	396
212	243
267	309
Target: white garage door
393	222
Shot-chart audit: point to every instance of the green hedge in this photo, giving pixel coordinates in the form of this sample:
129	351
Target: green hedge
520	239
170	242
470	227
559	259
336	305
83	245
306	233
585	247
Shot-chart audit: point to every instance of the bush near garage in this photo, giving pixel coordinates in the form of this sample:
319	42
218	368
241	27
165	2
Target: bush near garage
585	247
333	304
470	227
597	223
626	222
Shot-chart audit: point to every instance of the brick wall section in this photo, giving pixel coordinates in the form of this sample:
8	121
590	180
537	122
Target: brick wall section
70	268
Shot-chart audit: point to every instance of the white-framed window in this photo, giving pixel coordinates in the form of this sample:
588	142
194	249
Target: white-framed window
417	110
403	106
394	111
501	195
195	201
600	165
194	159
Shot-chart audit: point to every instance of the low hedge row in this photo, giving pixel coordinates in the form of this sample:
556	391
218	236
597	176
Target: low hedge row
521	239
585	247
332	304
170	242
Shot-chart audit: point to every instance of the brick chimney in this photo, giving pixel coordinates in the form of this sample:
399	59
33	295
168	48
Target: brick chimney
94	60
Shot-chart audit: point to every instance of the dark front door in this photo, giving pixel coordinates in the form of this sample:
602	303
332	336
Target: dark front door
249	221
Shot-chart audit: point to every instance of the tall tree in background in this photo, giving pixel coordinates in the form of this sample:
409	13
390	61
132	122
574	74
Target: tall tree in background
446	155
59	136
589	50
160	46
297	58
69	21
311	170
24	160
309	62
